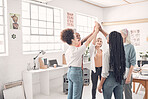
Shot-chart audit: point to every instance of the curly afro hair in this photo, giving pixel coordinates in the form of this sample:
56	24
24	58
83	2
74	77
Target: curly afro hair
67	35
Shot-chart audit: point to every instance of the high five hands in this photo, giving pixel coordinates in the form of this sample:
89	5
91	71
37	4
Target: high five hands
97	27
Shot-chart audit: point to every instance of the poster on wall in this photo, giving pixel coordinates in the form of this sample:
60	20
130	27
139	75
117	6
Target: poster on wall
135	37
14	21
70	19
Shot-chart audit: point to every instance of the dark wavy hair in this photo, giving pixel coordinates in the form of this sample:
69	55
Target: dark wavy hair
117	56
67	35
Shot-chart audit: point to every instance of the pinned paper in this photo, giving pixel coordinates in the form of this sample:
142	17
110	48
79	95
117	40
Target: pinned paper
70	19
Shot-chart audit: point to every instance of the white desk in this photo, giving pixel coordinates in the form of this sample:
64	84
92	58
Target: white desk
37	82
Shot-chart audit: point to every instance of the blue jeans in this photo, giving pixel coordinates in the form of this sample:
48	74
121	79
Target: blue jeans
111	86
75	82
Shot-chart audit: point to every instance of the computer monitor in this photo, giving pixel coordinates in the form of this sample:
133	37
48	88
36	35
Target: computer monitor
52	62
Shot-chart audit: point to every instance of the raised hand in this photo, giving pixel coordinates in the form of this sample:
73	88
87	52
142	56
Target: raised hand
100	28
97	26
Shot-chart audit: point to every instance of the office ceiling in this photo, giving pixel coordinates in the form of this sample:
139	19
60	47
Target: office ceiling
43	1
112	3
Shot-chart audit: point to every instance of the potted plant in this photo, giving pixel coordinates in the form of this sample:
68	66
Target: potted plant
86	55
144	55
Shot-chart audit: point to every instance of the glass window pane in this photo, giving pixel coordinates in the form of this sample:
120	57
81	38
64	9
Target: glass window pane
78	29
25	22
43	39
34	30
34	47
34	12
25	6
1	2
1	30
49	31
57	19
1	11
85	29
50	46
26	47
43	46
26	30
57	39
42	31
1	20
50	39
56	12
34	23
93	22
42	27
89	22
78	20
57	32
84	21
26	39
49	14
1	39
81	29
57	25
35	39
57	46
42	24
89	30
25	10
42	13
2	49
25	14
49	24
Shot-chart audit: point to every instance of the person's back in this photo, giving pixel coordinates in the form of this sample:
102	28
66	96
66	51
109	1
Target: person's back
114	68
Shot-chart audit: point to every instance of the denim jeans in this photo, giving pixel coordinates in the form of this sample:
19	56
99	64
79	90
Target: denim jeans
111	86
75	82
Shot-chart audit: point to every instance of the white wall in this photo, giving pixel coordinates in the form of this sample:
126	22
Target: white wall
129	12
11	66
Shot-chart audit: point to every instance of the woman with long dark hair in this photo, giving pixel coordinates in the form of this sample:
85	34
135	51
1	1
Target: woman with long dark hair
113	69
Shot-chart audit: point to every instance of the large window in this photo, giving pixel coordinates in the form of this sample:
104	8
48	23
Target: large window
2	27
85	24
41	26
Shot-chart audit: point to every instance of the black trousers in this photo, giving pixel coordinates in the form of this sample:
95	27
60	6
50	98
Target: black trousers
94	78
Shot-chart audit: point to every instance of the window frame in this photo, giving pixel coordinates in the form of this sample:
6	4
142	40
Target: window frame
86	15
4	7
39	35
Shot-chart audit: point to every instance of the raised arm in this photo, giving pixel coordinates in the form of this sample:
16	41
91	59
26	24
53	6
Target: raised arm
94	40
103	32
92	47
97	26
84	39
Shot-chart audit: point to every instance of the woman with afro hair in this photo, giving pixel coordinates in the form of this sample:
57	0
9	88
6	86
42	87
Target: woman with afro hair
73	57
